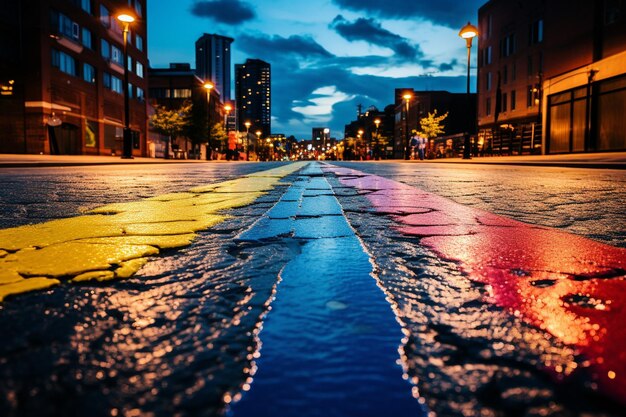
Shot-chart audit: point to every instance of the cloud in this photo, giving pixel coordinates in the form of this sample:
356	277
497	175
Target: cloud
370	31
448	66
224	11
275	48
318	108
451	13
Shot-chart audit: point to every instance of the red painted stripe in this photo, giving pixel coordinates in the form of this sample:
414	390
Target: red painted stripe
572	287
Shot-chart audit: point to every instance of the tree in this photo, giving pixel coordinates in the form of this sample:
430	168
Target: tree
219	136
170	122
431	126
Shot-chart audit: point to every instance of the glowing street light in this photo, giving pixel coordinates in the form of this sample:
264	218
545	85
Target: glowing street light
208	86
468	32
127	152
247	124
377	145
407	147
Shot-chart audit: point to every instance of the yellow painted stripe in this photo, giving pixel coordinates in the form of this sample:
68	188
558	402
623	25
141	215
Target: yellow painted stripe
114	241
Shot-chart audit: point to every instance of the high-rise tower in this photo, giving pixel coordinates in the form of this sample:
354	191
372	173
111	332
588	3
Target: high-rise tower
253	95
213	61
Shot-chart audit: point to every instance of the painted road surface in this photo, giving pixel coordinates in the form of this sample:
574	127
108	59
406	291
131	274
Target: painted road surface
313	289
330	342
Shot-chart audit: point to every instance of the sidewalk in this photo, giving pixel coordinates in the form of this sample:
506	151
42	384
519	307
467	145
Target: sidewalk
23	161
606	160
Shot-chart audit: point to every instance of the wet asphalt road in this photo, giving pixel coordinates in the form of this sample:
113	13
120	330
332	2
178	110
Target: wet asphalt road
177	338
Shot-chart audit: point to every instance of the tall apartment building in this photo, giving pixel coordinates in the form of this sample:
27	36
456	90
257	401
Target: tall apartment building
61	76
253	95
551	76
213	62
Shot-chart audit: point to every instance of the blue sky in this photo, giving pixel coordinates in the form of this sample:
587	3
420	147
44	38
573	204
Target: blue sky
327	56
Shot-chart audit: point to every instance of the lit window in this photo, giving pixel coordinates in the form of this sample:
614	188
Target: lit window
89	73
87	39
64	62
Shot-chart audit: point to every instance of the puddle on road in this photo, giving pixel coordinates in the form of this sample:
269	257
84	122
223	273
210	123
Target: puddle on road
330	342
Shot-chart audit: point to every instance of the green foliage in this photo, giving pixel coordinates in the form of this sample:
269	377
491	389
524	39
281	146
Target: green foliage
431	126
170	122
219	136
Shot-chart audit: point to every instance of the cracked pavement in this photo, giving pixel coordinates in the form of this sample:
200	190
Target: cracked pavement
490	315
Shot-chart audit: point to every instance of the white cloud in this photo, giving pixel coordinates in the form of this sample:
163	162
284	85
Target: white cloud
323	99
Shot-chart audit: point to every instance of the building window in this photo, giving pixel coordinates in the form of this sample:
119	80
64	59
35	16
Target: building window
489	56
530	96
129	64
105	17
105	49
535	32
488	107
140	94
488	81
514	71
505	74
89	73
64	62
181	93
116	84
87	38
86	5
504	102
106	80
139	42
117	56
68	27
508	45
138	8
139	70
513	100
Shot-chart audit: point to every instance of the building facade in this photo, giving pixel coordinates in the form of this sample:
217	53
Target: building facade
64	62
253	92
551	76
461	111
213	62
178	85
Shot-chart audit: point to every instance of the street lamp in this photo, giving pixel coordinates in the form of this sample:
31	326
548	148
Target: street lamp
247	125
127	152
468	32
258	139
359	136
377	144
208	87
407	152
326	132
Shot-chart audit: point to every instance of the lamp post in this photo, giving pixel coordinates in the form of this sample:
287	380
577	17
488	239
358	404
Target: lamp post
208	86
258	138
407	147
359	136
247	125
127	152
468	32
377	144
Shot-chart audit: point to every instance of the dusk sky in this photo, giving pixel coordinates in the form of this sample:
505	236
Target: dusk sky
327	56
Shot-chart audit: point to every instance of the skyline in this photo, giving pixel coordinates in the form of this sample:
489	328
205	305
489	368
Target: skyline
346	53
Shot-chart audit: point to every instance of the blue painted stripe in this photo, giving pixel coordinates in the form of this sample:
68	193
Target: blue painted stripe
330	342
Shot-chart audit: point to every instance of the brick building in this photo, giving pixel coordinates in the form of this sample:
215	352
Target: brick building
551	76
65	63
